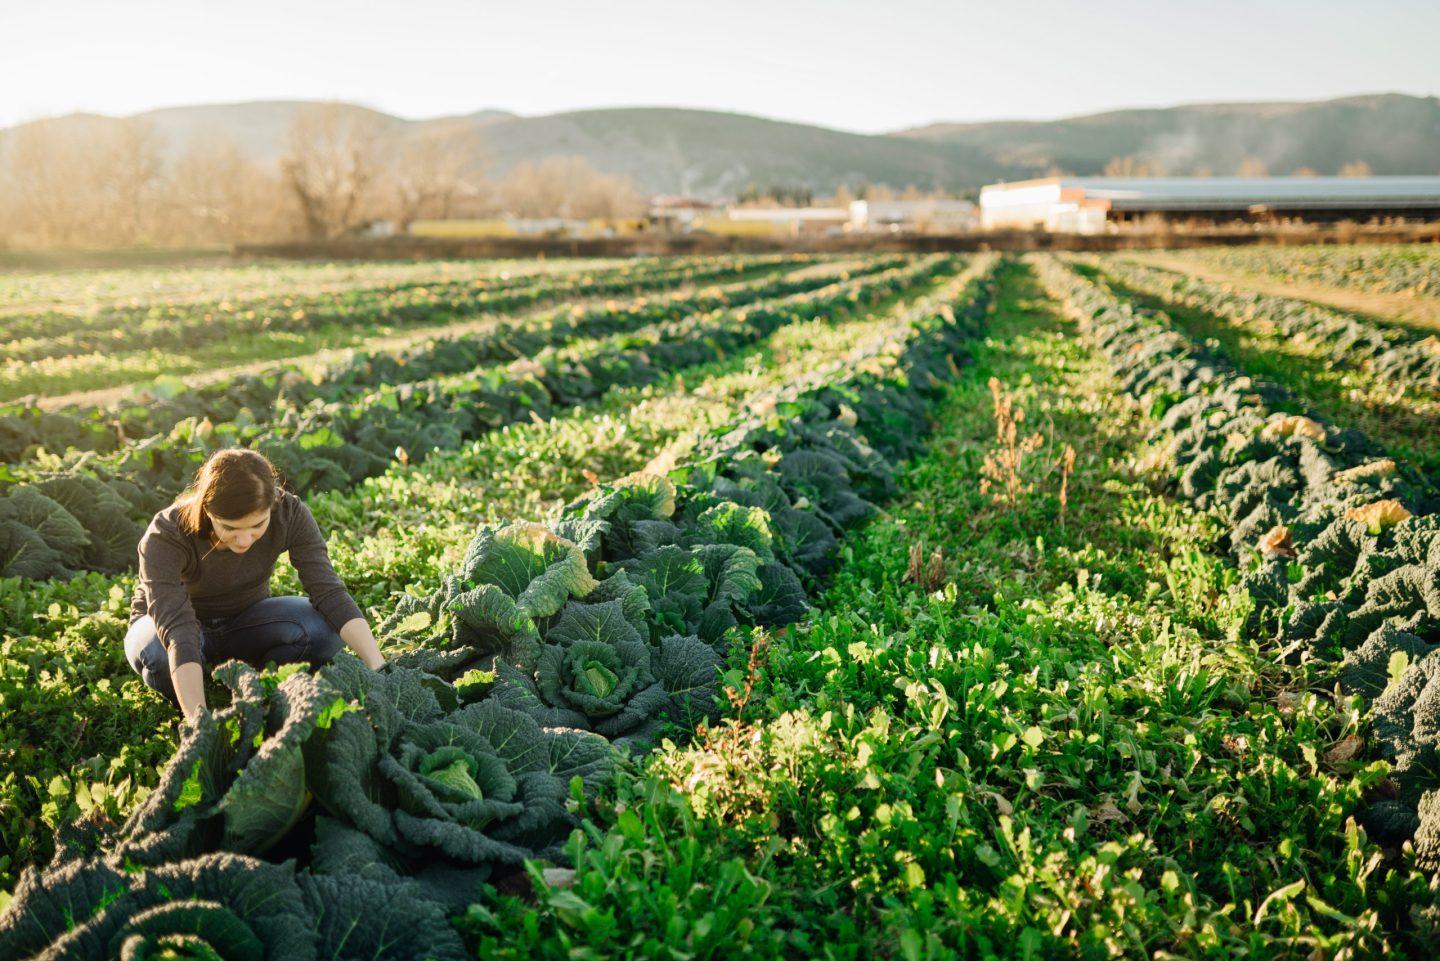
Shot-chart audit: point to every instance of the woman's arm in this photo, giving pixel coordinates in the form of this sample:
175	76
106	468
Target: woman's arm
311	560
357	636
162	562
189	681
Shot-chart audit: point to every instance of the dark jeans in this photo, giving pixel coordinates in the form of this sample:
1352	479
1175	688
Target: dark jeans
279	629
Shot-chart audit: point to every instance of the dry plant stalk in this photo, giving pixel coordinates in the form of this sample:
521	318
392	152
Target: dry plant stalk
759	653
1067	467
730	737
1001	474
928	573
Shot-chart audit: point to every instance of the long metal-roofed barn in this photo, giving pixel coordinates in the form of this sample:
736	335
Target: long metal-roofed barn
1087	204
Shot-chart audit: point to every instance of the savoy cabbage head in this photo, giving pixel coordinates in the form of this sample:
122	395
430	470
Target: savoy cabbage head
624	519
52	523
237	779
216	906
24	553
220	906
476	787
511	577
696	590
597	672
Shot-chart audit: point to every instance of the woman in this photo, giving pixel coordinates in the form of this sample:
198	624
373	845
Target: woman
204	589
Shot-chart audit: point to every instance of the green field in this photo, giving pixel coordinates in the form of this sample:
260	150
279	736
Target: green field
783	607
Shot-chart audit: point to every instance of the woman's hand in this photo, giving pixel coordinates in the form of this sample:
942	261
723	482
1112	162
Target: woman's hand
357	636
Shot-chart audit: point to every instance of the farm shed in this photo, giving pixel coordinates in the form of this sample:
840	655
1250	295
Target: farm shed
1089	204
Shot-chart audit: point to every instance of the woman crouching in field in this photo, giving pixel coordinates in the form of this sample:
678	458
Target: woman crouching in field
204	589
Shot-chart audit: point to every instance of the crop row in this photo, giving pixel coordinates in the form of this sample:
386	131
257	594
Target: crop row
440	783
85	292
1337	544
1391	354
119	366
28	429
79	743
1386	269
90	516
166	326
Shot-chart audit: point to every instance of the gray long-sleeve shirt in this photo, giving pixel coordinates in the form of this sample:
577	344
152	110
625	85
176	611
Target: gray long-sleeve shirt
182	580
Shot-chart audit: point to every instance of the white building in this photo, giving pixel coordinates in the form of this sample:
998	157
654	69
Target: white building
1088	204
914	216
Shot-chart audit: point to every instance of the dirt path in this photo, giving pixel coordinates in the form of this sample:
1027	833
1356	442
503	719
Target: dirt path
1417	312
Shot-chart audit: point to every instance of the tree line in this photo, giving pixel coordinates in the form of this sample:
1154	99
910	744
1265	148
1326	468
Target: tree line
98	182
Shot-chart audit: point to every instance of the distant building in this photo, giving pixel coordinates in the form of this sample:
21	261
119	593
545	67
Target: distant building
529	227
789	221
914	216
678	214
1091	204
373	229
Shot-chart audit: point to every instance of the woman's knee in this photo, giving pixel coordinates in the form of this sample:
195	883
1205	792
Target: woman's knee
148	658
324	645
160	682
142	645
322	642
298	632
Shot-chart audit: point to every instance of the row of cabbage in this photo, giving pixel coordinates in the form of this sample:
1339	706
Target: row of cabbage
348	813
28	429
90	513
1338	545
1384	269
87	291
159	326
1393	354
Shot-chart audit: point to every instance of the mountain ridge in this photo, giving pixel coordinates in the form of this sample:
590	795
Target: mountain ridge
714	153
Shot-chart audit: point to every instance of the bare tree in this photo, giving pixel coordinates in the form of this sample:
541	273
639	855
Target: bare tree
41	166
433	169
130	167
331	165
1133	166
567	187
1253	167
1355	168
215	194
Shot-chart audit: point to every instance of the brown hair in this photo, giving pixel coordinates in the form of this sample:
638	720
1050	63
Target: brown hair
230	484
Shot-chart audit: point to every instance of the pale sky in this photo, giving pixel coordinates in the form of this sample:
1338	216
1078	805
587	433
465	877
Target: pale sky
863	65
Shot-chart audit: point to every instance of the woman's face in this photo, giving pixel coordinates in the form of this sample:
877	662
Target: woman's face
237	534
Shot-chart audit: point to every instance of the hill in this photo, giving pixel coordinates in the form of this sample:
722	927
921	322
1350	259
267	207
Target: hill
1393	133
714	154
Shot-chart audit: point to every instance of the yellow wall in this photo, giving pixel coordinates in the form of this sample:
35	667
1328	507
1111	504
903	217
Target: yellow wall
623	227
462	228
743	228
